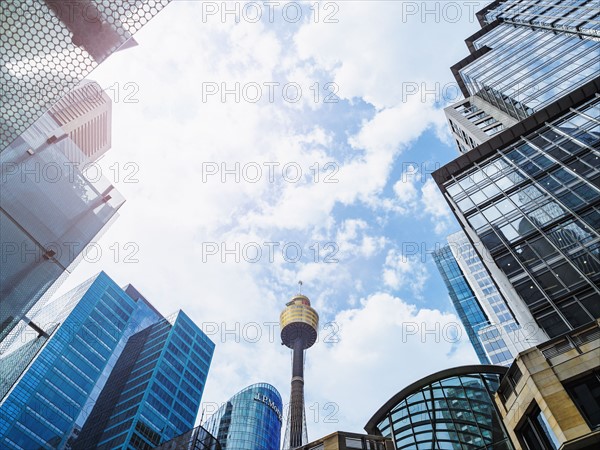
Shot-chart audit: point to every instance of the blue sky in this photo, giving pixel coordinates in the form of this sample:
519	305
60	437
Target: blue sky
384	310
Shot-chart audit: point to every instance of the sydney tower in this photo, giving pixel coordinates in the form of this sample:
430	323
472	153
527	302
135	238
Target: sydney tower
299	324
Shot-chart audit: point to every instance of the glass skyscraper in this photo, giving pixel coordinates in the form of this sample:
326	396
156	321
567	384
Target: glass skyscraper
102	364
153	393
48	379
493	327
463	298
527	55
250	420
50	210
450	410
528	196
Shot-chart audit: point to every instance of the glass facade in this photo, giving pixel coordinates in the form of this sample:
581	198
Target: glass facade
534	205
47	47
250	420
48	380
49	212
463	298
153	393
196	439
504	338
532	52
451	410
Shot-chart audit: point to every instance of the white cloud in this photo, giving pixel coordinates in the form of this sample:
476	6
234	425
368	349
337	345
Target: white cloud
434	205
374	351
402	271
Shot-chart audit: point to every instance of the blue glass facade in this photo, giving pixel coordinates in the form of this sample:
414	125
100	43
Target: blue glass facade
531	53
250	420
84	330
153	393
450	410
463	298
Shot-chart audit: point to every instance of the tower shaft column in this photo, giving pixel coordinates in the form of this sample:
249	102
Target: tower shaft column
297	396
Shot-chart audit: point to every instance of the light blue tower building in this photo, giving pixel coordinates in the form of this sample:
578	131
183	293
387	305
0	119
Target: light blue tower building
250	420
104	361
48	378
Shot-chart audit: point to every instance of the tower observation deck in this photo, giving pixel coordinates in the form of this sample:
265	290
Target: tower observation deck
299	325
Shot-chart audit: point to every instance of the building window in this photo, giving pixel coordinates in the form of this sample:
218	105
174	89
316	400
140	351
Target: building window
585	393
536	434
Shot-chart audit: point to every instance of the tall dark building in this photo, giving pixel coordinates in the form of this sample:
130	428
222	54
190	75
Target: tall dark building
299	325
153	393
527	190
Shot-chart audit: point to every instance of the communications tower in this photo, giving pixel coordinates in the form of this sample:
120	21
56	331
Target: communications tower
299	325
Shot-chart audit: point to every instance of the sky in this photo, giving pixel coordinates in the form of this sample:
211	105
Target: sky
285	143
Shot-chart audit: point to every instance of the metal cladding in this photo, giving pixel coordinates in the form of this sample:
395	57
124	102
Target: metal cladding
47	47
299	321
299	324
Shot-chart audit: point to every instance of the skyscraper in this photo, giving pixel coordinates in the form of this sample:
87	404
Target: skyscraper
527	195
49	209
299	326
49	379
494	328
43	59
85	115
250	420
464	300
153	393
103	365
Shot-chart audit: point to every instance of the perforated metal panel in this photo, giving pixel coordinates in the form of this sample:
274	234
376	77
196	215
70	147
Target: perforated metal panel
48	46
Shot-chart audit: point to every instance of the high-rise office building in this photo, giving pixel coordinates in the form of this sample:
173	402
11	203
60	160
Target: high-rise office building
464	300
299	326
98	363
43	59
153	392
49	377
527	55
250	420
49	209
452	409
85	115
494	329
528	196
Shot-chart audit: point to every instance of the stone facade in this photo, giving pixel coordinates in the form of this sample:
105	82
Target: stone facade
537	377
